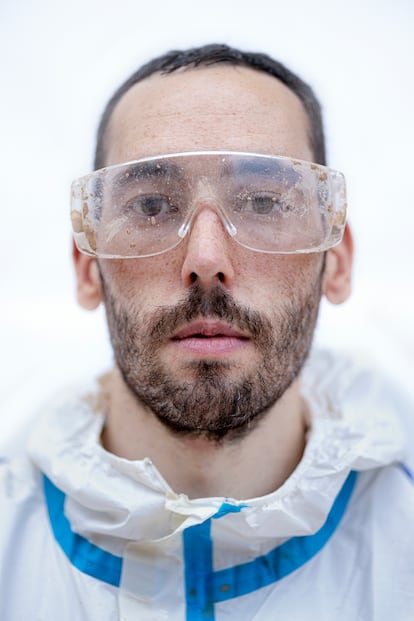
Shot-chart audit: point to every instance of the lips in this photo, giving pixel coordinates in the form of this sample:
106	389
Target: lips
200	329
209	339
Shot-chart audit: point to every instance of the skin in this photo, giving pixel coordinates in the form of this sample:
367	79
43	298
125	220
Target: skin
210	108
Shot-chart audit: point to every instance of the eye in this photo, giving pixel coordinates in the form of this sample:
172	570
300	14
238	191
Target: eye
151	205
263	203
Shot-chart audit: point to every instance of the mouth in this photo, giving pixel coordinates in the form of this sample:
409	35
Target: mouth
209	338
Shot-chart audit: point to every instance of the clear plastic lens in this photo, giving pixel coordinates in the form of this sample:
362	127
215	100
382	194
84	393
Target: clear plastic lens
267	204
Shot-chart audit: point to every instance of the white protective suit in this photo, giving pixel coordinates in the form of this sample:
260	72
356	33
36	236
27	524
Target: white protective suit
86	535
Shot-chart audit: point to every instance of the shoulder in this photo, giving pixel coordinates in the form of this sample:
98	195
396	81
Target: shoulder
20	481
35	576
380	527
386	496
354	388
23	520
356	375
21	497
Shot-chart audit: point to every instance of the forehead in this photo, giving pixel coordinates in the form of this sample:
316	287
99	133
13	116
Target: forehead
208	108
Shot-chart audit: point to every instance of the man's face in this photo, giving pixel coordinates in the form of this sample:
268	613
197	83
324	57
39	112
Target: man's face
210	335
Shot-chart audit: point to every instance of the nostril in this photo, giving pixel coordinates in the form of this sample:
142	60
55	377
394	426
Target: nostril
193	277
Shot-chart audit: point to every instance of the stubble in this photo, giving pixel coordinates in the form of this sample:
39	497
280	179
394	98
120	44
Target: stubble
212	404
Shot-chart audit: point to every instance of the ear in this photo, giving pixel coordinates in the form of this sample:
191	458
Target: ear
336	284
89	288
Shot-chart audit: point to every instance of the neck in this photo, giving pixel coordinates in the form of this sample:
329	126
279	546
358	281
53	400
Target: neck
254	464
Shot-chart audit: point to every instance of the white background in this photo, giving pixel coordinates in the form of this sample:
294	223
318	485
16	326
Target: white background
60	61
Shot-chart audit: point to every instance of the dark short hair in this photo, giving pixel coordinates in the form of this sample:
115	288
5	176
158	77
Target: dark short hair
210	55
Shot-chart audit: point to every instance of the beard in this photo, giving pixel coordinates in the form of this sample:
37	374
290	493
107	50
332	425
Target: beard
212	404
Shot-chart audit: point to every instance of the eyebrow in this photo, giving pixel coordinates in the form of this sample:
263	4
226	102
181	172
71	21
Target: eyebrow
273	169
153	170
144	171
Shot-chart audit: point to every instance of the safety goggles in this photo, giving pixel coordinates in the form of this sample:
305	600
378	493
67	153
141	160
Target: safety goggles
268	204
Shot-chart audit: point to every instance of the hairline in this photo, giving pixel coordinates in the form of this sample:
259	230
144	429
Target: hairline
209	56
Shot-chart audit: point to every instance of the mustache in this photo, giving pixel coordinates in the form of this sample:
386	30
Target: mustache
214	303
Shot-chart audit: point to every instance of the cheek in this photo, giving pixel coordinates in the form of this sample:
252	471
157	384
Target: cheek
273	277
261	280
150	280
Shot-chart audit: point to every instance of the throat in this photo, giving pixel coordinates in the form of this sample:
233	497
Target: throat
251	465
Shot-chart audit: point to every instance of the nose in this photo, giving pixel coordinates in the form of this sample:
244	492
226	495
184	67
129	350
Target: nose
208	258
